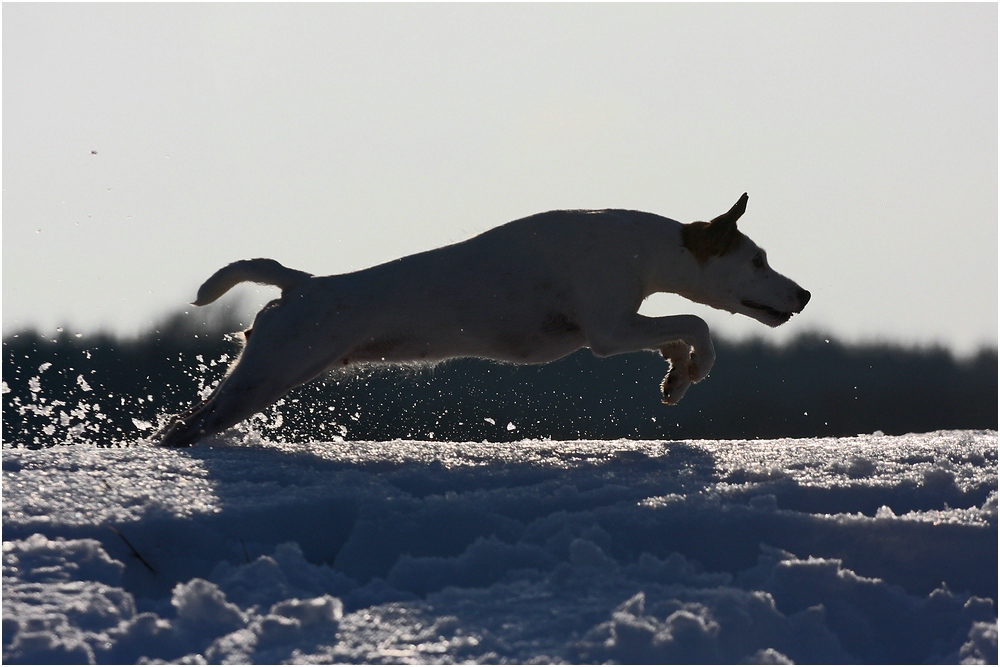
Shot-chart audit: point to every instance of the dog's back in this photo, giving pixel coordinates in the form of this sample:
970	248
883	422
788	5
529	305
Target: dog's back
520	292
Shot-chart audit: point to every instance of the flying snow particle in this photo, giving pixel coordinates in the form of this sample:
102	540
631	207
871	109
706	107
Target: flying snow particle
141	425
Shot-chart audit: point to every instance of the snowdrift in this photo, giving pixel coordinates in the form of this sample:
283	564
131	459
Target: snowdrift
867	549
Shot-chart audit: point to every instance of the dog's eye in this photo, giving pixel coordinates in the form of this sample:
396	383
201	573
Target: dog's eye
758	261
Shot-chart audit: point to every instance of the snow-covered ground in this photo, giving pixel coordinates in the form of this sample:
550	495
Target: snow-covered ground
866	549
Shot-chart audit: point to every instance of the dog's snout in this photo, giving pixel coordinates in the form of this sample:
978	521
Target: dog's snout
804	296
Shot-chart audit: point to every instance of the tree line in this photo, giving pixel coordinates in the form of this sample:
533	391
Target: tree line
111	390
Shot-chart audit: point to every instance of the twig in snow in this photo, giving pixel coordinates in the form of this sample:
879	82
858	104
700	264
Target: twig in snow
134	552
245	554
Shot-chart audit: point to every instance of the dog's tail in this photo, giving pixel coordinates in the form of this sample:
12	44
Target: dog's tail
263	271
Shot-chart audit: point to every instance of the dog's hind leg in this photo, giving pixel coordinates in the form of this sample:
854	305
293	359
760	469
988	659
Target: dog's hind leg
213	416
266	371
173	434
234	401
241	395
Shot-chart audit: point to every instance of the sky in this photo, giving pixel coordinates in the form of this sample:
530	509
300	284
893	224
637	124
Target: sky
147	145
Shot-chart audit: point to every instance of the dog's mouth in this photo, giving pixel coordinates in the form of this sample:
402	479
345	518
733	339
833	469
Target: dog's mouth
779	316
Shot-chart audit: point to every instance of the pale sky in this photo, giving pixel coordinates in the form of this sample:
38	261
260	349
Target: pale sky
334	137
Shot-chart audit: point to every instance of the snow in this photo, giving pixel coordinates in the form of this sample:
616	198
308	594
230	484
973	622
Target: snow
867	549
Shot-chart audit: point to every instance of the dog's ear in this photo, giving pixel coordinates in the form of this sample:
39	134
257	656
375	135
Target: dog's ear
729	218
716	238
722	230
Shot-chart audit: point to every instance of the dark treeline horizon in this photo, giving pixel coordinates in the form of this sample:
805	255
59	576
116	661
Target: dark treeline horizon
111	390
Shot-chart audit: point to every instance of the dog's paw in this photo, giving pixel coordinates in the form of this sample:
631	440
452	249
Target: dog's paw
697	369
679	378
700	361
674	386
676	382
177	434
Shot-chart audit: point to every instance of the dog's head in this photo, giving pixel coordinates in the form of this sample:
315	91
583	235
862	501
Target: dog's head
734	274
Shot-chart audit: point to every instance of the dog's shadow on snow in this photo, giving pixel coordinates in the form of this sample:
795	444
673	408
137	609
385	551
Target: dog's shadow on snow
382	505
360	516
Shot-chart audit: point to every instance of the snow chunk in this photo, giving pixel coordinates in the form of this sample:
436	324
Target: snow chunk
981	649
203	608
41	560
326	609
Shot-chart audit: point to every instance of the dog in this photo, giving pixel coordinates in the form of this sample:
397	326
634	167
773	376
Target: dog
531	291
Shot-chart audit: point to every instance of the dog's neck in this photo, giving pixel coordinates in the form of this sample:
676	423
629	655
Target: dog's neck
671	267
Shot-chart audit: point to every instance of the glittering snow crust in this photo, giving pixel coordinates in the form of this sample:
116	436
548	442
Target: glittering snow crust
868	549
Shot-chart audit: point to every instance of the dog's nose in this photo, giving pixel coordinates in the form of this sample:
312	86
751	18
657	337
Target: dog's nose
804	297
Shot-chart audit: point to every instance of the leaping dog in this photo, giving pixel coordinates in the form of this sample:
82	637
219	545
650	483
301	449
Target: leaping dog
530	291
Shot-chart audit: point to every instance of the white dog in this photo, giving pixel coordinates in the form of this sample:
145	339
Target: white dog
530	291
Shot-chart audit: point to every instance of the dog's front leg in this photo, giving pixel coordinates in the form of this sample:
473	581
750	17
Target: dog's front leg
683	340
678	378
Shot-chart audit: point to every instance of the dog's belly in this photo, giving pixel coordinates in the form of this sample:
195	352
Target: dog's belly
512	346
551	339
